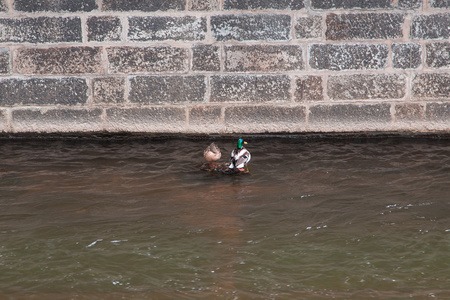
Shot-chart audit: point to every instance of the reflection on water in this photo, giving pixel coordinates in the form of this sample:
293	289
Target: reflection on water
314	220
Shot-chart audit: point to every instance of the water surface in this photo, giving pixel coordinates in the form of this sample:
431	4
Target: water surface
342	219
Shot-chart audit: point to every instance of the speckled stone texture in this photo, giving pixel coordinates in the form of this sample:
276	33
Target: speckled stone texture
264	4
167	89
267	58
348	56
55	5
167	28
104	29
364	26
43	91
224	66
255	88
143	5
147	59
67	60
40	30
251	27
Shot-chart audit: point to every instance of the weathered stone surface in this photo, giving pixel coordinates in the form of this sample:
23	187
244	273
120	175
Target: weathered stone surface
261	119
143	5
3	6
439	3
156	28
205	58
406	55
365	4
147	59
253	88
349	117
247	27
5	67
57	120
204	5
3	120
43	91
263	4
205	118
430	26
347	57
152	119
438	112
409	112
66	60
108	90
41	30
55	5
104	29
167	89
308	27
364	26
438	55
308	88
431	86
263	58
362	86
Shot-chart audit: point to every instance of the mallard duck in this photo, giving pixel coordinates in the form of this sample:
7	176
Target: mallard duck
212	153
240	157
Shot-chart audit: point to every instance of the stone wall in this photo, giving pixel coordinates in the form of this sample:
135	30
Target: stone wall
224	66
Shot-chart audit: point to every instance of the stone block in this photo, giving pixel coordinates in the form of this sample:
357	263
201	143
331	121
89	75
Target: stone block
438	112
308	88
364	87
104	29
436	26
156	28
55	5
3	6
262	119
40	30
263	4
43	91
445	4
365	4
146	5
406	55
409	112
263	58
3	120
147	59
204	5
205	119
364	26
64	60
251	27
438	55
167	89
348	57
149	120
308	27
350	117
108	90
431	86
57	120
249	88
5	65
205	58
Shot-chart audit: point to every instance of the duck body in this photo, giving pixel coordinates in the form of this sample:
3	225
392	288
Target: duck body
212	153
240	157
238	161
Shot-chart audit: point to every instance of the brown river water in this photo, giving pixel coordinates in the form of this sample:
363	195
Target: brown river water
137	219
